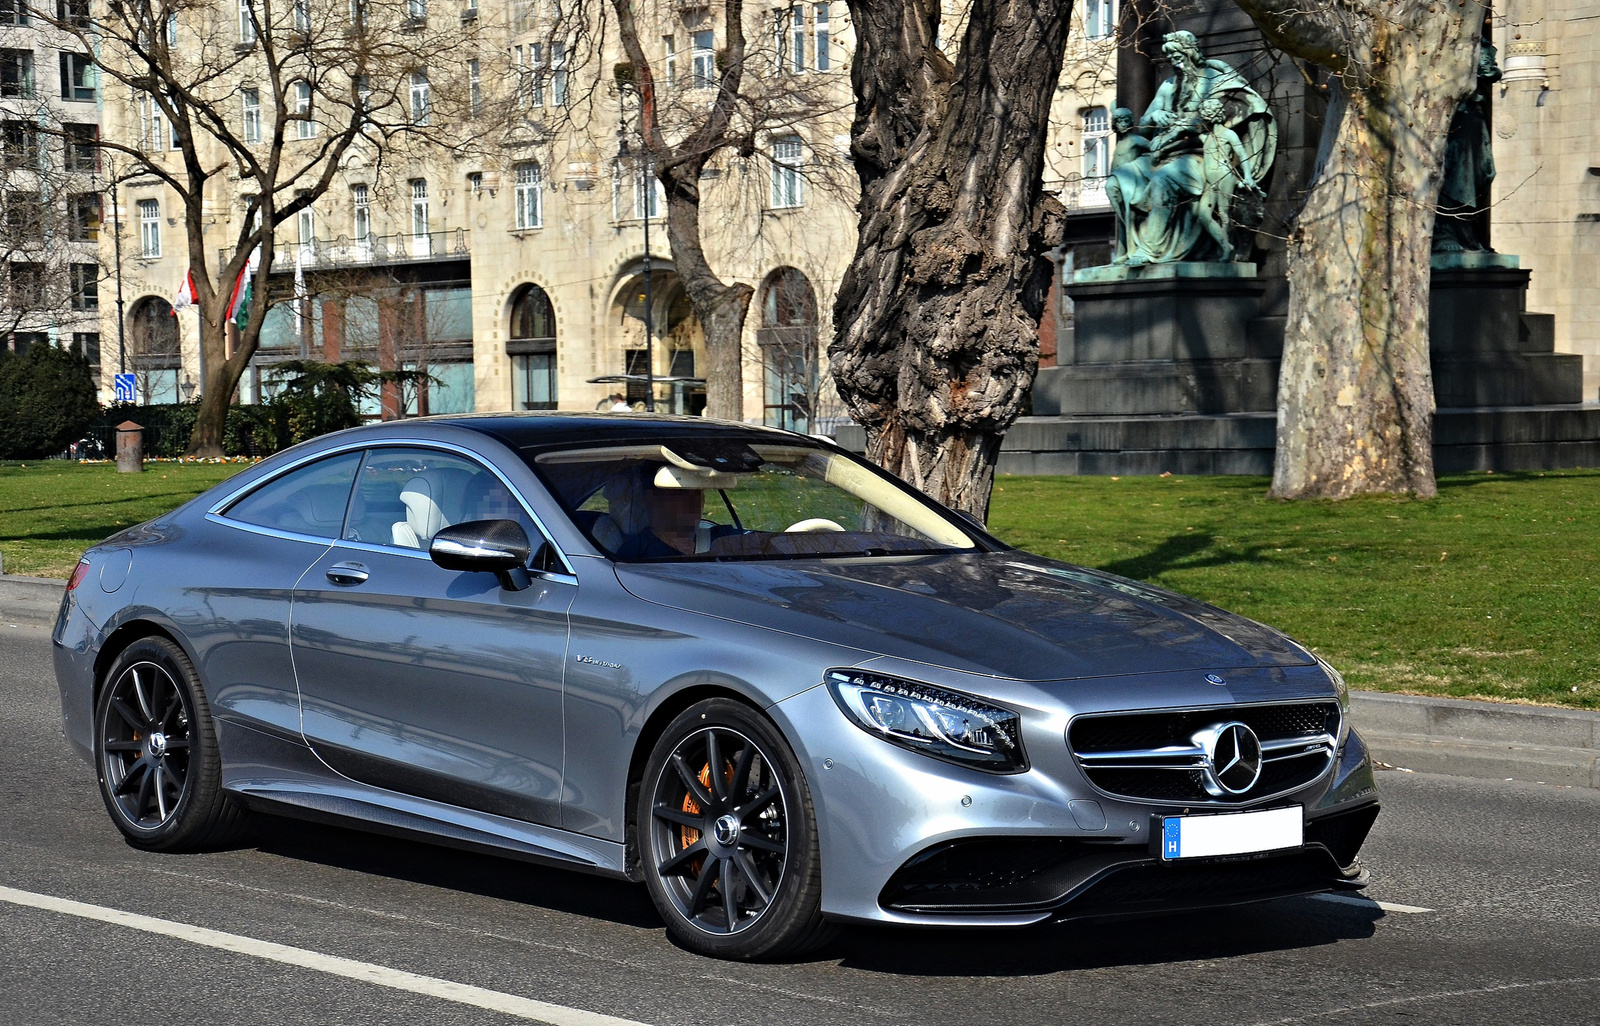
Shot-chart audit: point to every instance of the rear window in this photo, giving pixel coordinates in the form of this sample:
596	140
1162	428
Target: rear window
309	500
687	499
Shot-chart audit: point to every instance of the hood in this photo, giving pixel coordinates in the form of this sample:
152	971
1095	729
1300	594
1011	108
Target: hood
1001	614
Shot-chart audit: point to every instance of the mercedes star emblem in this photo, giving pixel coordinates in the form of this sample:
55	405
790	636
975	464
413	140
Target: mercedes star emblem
1231	763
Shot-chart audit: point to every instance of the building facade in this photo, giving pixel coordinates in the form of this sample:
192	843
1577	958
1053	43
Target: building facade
50	183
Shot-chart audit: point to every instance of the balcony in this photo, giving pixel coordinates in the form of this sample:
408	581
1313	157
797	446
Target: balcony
372	251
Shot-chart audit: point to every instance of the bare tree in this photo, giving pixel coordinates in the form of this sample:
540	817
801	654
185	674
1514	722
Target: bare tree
326	79
1355	394
936	319
748	110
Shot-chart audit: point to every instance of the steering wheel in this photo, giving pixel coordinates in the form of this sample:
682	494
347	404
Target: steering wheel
812	526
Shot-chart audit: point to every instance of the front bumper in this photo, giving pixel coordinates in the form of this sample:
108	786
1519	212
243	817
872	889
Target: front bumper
909	840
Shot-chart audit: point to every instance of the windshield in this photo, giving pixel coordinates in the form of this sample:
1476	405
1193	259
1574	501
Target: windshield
686	499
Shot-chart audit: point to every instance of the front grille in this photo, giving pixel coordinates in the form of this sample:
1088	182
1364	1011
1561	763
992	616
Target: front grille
1152	756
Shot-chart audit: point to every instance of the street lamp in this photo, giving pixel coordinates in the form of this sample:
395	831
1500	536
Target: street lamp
624	157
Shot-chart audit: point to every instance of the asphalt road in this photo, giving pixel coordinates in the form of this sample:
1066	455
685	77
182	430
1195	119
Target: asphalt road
1510	873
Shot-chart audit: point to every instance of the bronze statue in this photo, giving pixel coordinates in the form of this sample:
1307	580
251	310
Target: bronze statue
1173	200
1468	167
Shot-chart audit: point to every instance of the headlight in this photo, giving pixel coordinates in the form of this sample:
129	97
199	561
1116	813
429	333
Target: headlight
1343	692
943	724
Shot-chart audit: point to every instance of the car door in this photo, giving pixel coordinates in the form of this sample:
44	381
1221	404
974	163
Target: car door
243	568
426	681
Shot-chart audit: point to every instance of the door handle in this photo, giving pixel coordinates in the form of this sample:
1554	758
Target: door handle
347	574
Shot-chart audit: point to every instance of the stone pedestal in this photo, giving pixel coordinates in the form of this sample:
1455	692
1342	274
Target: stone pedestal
1487	349
1162	339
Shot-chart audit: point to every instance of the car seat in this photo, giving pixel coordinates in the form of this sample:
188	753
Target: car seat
433	501
627	512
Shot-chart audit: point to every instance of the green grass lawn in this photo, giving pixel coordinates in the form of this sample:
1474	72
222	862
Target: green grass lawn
50	511
1492	590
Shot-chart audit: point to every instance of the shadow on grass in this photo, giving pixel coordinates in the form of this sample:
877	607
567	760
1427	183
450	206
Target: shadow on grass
1192	550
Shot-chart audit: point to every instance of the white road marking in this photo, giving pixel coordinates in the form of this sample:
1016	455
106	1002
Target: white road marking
1387	906
365	972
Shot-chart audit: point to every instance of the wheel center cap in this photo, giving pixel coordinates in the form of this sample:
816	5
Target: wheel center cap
158	744
726	830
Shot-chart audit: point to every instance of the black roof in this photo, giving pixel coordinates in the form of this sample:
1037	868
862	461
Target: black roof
558	429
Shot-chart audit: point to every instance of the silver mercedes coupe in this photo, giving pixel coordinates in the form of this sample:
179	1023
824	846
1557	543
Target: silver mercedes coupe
741	666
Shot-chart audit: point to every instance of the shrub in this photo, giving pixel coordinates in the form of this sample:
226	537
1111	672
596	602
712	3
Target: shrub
47	400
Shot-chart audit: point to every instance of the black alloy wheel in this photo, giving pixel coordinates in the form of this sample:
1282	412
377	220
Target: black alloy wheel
727	836
156	752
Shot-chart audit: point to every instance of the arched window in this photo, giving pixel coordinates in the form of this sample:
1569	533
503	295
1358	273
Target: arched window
1096	149
530	196
153	349
788	339
532	348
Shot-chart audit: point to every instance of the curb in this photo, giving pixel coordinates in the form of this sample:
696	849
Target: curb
1430	735
30	600
1480	739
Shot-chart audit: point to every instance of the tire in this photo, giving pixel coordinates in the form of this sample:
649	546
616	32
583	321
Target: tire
155	753
731	860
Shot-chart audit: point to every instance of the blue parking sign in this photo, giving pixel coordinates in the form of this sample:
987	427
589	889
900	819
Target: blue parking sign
124	386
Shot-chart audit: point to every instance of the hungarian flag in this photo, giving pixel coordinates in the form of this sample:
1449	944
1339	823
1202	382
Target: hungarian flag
187	296
243	286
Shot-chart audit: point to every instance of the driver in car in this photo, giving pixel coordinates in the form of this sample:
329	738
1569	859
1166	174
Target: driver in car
644	521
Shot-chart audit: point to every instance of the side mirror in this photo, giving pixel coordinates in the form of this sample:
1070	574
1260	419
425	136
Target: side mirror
499	547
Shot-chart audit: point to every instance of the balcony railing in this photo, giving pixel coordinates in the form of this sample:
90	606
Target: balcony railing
374	250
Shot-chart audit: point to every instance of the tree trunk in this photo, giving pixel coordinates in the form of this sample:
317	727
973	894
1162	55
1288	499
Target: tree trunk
720	307
216	391
1355	392
937	316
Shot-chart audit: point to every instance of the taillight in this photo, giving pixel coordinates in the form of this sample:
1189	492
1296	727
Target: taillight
77	573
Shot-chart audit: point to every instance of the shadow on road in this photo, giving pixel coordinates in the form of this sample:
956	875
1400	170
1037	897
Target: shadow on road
489	876
1281	925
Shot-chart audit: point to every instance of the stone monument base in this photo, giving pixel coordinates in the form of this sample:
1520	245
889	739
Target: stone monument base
1173	369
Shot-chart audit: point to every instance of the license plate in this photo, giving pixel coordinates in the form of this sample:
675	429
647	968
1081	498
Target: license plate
1234	833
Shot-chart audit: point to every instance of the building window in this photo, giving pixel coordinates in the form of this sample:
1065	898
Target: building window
16	73
787	336
558	74
417	10
247	23
302	16
85	211
77	76
27	285
421	98
797	38
1096	149
704	58
636	192
670	44
358	13
149	228
307	128
824	55
74	13
13	12
87	345
152	123
85	286
82	147
475	183
1099	18
172	40
529	196
532	348
361	213
474	88
421	241
307	224
251	102
21	140
788	183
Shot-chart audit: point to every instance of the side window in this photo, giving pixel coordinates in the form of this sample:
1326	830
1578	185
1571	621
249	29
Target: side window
405	496
310	500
